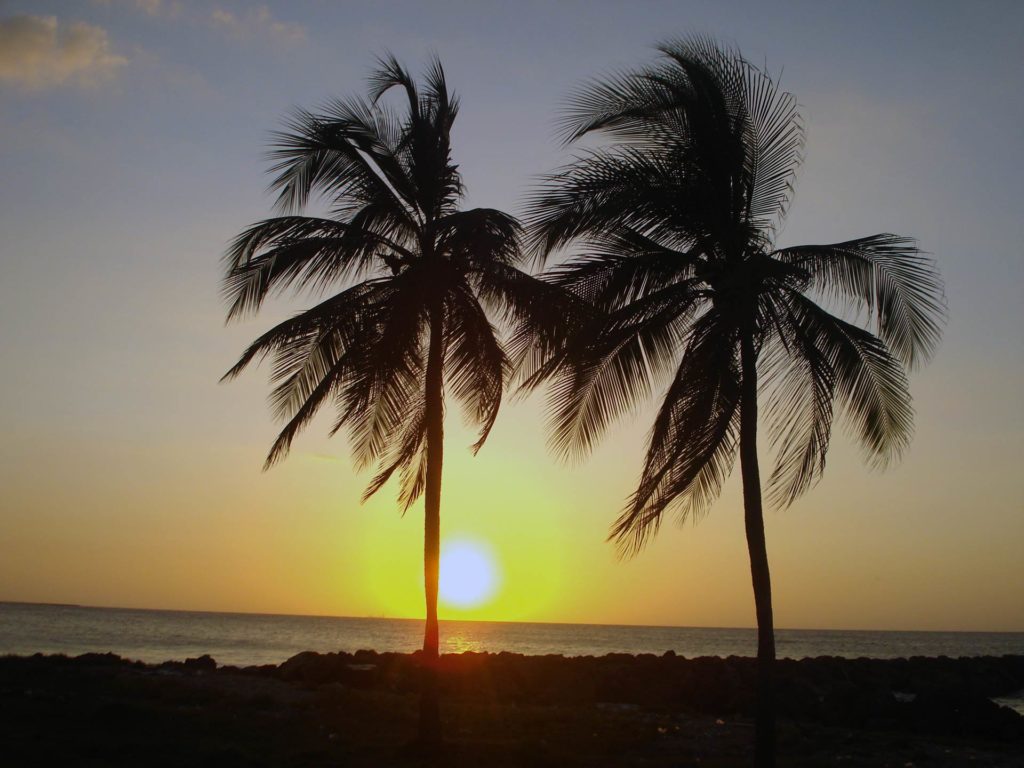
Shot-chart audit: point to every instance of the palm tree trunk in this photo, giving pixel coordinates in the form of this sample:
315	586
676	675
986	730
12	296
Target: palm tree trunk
764	738
430	716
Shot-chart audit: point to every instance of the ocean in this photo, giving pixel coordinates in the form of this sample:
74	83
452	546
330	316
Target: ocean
243	639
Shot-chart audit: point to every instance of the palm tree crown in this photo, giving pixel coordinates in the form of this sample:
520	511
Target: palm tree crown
676	220
406	260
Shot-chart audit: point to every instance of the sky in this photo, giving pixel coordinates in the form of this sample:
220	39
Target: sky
132	141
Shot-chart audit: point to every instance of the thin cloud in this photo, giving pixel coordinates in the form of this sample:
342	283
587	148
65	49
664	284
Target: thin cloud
257	23
148	7
152	7
38	52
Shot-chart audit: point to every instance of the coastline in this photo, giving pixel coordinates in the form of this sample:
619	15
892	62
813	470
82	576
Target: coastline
245	639
532	622
507	709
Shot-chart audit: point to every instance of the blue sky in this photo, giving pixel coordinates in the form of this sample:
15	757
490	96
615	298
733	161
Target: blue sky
133	137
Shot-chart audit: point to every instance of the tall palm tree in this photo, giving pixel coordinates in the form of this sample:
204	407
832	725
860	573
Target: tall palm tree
675	221
411	279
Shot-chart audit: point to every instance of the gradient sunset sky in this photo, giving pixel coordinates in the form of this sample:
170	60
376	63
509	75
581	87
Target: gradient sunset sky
132	135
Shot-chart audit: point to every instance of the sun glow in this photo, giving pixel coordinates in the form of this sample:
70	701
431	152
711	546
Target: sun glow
468	574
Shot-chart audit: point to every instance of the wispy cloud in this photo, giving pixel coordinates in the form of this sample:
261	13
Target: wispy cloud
39	52
152	7
148	7
256	23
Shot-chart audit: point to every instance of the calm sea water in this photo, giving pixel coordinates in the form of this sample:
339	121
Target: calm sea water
242	639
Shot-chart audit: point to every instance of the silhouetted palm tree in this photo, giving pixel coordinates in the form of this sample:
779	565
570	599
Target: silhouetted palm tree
413	275
676	222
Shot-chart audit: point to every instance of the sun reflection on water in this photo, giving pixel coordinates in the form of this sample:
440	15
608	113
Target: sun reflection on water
460	643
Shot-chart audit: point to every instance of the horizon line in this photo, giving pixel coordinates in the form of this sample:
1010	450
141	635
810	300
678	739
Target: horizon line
501	621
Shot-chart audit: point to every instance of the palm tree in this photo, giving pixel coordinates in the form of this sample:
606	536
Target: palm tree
410	278
676	222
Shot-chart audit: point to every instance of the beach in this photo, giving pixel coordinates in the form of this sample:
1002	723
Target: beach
506	709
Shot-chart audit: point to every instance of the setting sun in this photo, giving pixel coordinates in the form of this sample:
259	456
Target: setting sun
468	574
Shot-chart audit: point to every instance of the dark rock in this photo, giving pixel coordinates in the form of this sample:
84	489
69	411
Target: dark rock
360	670
203	664
100	659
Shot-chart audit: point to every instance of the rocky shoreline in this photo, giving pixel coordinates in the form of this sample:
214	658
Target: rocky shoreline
507	709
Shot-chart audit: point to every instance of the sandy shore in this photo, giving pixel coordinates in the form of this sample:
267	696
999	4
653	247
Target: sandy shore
505	710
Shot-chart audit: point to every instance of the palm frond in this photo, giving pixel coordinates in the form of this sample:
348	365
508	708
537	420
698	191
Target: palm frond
799	386
693	441
475	364
605	191
869	382
387	373
604	375
774	148
480	236
444	105
299	251
888	276
620	105
541	316
312	355
391	74
339	311
622	267
340	154
407	444
324	373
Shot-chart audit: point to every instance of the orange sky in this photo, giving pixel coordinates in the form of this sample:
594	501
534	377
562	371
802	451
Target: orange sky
199	527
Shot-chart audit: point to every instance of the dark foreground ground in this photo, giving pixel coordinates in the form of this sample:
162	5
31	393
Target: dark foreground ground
504	710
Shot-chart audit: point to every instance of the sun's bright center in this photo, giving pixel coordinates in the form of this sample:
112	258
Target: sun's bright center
468	575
